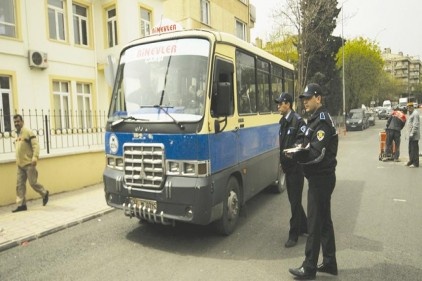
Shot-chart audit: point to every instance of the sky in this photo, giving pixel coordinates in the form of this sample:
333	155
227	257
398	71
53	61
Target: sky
392	24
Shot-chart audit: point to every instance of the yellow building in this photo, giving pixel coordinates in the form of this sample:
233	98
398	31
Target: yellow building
57	63
406	69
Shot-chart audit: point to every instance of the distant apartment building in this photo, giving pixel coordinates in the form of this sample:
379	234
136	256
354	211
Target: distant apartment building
406	69
57	57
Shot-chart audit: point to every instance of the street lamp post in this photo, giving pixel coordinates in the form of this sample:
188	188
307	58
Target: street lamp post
344	87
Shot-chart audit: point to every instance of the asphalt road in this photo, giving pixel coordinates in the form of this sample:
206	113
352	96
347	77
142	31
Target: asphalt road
376	212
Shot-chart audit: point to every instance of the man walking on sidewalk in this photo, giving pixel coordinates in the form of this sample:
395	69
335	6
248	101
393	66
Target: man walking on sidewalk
27	153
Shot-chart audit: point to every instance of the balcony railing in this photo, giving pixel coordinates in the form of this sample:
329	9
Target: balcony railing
57	131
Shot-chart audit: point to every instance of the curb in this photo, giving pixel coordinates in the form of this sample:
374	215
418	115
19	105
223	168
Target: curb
23	240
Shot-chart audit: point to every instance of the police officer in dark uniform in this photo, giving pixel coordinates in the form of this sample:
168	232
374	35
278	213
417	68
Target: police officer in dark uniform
292	131
319	162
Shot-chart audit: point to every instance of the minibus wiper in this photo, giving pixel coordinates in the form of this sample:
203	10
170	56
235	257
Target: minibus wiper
118	121
165	108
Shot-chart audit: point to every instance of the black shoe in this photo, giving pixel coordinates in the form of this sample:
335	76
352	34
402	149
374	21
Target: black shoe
20	209
301	273
290	243
45	199
328	268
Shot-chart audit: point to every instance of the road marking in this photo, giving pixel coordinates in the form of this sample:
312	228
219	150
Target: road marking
399	200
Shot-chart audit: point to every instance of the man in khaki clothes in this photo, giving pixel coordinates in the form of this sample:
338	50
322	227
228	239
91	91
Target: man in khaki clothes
27	152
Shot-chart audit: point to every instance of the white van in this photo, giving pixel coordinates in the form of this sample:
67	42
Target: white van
387	104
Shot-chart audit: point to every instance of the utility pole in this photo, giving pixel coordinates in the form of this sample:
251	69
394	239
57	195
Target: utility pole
344	87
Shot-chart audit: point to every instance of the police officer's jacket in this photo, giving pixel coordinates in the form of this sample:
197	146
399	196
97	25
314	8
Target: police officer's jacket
291	134
321	143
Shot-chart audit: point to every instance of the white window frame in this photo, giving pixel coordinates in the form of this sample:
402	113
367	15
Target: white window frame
145	24
84	104
205	12
58	25
6	110
8	18
112	39
61	114
242	25
81	25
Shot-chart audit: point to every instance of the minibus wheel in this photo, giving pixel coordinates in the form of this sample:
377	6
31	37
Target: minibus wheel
231	208
280	184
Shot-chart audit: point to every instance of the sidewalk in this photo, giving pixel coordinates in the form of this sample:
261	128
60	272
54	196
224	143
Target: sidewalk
62	211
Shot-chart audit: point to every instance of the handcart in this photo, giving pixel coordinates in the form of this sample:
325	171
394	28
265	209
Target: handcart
383	145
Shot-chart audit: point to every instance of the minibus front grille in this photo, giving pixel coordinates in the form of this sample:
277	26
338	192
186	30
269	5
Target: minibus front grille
144	165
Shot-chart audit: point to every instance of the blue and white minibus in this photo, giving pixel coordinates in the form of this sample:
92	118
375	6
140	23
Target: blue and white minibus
192	130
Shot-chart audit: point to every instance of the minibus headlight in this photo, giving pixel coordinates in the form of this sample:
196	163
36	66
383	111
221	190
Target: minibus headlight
115	162
189	168
111	162
174	167
119	163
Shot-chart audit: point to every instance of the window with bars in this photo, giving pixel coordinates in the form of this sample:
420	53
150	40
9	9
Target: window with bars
83	93
61	96
57	19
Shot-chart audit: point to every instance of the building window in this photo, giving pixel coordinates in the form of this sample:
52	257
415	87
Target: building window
84	115
61	112
205	12
112	27
241	30
8	18
5	104
145	22
56	19
80	24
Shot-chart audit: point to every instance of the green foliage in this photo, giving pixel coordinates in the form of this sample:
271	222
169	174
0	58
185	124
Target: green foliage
284	49
363	71
318	49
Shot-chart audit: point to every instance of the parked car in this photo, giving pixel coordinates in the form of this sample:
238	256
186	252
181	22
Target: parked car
357	119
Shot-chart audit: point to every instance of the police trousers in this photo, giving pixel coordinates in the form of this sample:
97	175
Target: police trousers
320	225
298	221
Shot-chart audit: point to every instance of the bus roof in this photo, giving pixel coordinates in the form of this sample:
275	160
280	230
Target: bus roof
217	36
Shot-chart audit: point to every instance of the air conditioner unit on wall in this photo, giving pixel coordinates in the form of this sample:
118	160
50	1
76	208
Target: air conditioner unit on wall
37	59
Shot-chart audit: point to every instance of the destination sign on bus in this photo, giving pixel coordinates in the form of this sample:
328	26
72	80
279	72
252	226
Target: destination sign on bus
157	50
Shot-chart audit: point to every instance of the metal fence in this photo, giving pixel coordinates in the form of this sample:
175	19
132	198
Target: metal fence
57	131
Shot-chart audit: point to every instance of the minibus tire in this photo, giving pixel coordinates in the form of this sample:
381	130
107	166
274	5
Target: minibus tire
280	184
231	208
